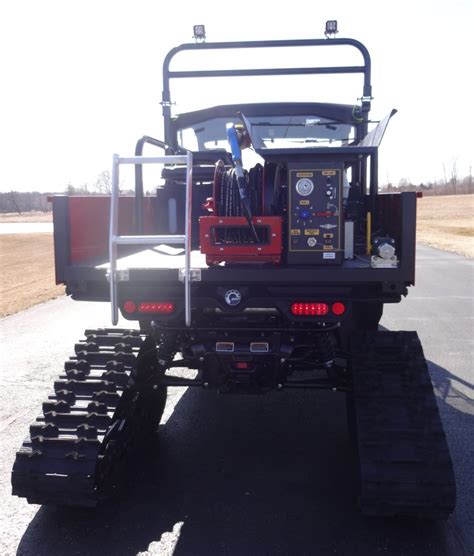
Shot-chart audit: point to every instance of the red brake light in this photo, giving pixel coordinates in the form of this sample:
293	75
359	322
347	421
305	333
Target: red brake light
162	308
241	365
310	309
129	306
338	308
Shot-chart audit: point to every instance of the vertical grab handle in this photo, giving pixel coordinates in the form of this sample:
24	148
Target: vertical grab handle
187	233
113	232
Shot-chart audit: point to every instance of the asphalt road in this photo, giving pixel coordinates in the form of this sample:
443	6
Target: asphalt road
253	475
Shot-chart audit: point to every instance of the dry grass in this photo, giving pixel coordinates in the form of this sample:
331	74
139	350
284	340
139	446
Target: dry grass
447	222
27	277
34	216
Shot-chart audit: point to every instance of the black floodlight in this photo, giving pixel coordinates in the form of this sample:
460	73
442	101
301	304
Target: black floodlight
331	27
199	32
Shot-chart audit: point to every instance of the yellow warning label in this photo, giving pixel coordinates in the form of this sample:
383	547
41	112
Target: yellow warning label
329	172
305	174
328	236
304	202
295	232
327	247
311	232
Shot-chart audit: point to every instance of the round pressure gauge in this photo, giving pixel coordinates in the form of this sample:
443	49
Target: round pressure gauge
304	187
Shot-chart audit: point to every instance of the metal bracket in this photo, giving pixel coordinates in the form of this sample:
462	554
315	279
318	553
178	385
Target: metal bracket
122	275
194	274
378	262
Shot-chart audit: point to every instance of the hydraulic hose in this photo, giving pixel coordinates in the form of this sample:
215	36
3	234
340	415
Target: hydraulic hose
240	175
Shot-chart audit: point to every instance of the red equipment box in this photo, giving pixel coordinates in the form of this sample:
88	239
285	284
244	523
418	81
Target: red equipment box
223	239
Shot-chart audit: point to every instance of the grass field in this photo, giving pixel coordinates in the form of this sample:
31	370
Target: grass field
447	222
27	260
33	216
27	276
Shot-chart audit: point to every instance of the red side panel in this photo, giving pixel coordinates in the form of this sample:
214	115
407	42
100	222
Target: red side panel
89	224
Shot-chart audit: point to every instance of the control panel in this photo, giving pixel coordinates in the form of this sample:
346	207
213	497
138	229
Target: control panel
315	213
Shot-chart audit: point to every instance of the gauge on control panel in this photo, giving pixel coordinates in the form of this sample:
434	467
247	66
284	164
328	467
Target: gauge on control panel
304	187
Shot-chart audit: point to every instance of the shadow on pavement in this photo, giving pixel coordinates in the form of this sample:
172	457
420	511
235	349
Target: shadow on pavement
245	475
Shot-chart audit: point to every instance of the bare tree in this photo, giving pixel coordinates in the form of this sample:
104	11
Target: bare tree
404	183
103	183
14	201
454	174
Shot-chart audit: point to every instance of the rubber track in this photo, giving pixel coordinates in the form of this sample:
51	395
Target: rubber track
79	441
405	465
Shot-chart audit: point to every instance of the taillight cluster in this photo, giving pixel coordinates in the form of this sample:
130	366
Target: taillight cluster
310	309
164	308
149	307
317	309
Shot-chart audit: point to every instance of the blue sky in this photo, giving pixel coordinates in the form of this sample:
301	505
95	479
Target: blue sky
82	79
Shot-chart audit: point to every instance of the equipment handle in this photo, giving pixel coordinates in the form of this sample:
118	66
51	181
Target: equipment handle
239	172
234	144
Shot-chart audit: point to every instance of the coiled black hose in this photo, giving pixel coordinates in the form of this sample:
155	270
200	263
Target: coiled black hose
228	202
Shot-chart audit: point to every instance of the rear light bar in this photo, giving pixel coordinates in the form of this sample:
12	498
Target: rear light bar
310	309
316	309
149	307
163	308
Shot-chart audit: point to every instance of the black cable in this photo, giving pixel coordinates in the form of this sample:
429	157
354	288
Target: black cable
229	202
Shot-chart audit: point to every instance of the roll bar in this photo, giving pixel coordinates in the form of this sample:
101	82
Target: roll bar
168	74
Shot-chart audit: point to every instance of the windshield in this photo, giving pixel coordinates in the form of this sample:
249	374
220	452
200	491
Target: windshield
271	132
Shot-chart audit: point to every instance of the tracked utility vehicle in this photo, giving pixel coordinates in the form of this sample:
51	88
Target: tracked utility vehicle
264	277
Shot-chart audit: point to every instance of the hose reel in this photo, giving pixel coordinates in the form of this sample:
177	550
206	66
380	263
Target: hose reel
226	236
240	230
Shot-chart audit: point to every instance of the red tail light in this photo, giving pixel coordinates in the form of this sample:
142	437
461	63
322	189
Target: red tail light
162	307
310	309
241	365
129	306
338	308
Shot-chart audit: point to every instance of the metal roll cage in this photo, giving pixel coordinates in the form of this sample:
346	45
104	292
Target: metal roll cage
168	74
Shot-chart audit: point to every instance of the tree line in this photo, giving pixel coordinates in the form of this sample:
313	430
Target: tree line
19	202
453	186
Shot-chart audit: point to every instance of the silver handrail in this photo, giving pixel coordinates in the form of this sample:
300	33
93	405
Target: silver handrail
115	239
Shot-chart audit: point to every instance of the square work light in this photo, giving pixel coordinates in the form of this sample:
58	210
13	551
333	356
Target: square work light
331	27
199	32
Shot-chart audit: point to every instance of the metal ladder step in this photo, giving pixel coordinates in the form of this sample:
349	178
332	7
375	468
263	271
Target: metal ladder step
149	240
115	239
